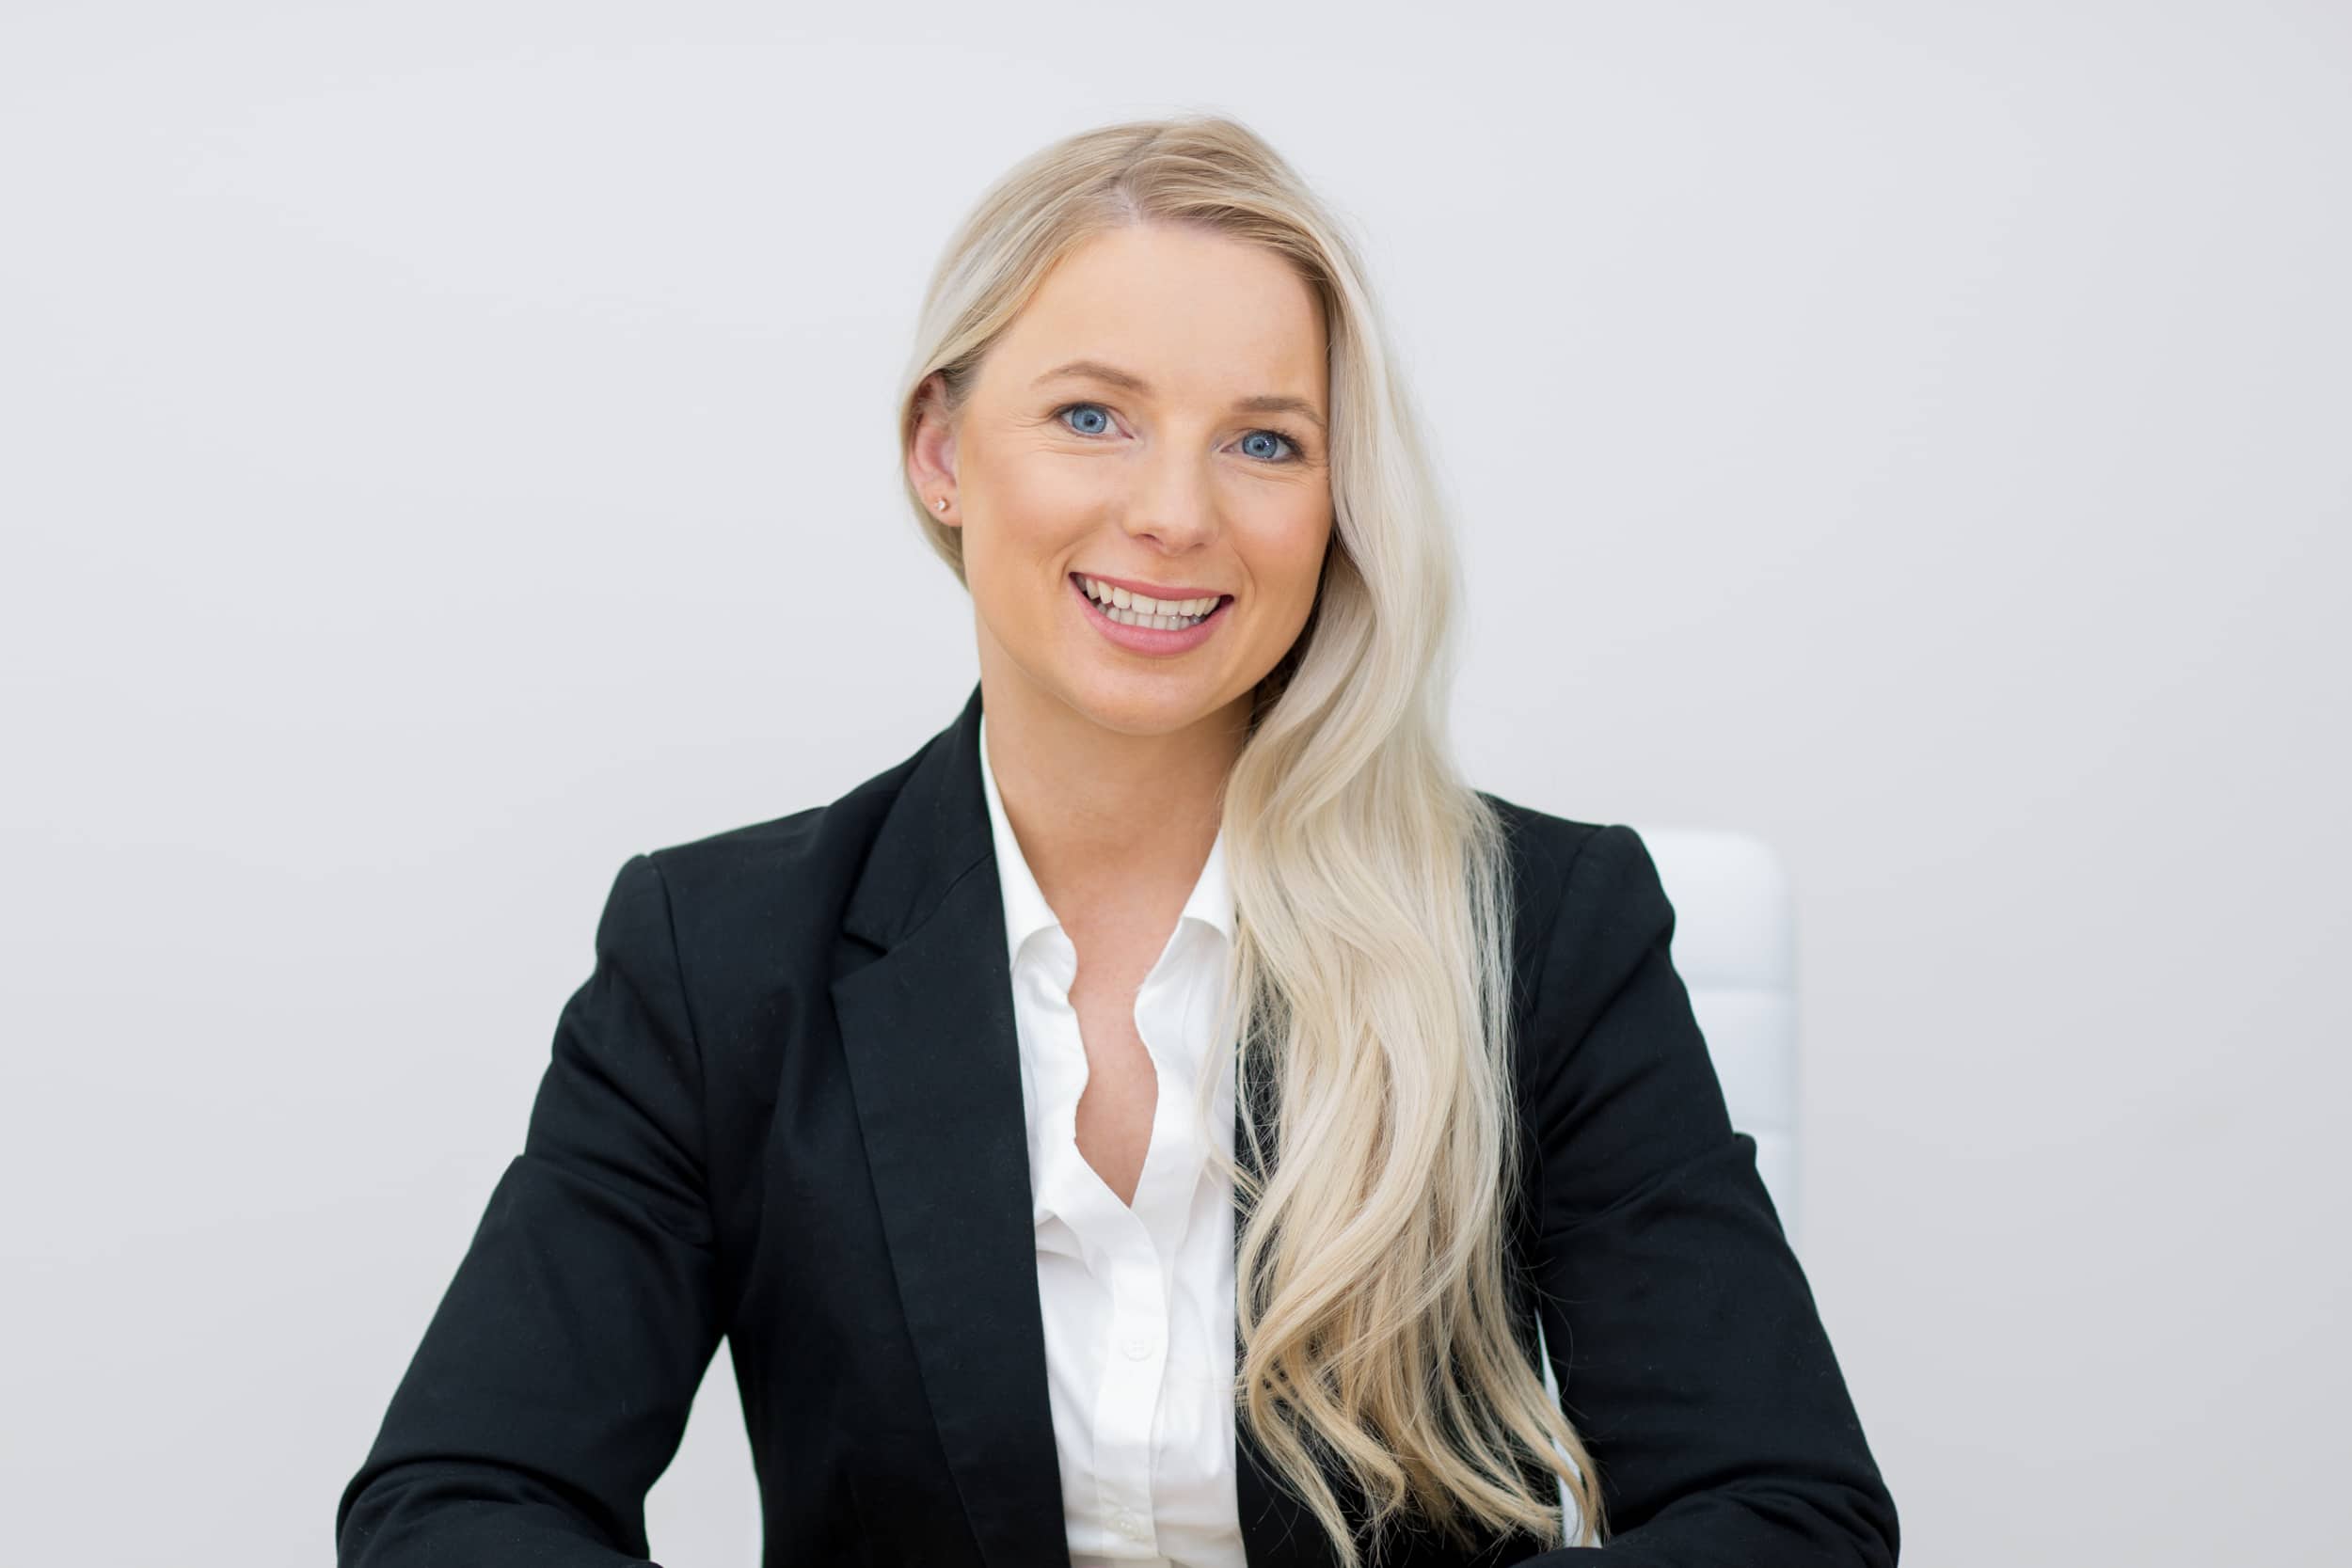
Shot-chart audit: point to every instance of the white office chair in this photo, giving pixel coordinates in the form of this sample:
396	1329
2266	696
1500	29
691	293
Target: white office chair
1735	946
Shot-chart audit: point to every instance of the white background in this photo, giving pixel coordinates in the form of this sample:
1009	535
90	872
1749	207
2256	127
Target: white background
446	450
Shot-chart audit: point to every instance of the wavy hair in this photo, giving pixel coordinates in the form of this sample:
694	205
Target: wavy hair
1372	892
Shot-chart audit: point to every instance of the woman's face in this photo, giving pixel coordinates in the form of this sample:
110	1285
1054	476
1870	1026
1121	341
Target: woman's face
1153	422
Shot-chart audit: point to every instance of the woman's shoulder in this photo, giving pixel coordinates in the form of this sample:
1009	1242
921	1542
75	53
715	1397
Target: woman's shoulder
777	878
797	870
1586	897
1552	858
1549	852
1542	845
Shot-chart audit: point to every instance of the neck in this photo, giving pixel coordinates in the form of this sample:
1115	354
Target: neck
1107	819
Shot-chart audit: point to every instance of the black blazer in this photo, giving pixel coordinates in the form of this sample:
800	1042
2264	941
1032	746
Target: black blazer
785	1108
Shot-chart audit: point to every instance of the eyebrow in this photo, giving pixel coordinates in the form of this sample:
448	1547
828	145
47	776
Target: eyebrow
1265	403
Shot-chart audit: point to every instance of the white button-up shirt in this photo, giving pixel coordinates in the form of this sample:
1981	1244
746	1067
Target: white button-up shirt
1138	1301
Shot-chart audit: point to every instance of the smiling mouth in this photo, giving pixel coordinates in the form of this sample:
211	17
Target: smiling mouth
1148	613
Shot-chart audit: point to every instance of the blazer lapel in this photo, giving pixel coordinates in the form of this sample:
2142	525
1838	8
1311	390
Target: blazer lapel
934	1065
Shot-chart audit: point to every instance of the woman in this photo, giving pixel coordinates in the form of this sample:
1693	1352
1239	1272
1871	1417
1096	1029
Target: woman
1151	1122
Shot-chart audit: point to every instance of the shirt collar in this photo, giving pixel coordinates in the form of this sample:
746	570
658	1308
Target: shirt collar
1026	911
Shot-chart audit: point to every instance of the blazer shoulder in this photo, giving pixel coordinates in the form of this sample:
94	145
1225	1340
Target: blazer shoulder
803	863
1543	846
1587	902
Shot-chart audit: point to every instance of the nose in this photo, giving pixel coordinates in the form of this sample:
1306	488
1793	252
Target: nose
1173	503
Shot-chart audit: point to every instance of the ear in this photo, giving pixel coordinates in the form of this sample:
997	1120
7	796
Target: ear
931	453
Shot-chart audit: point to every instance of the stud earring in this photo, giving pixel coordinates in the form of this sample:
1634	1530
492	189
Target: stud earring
941	503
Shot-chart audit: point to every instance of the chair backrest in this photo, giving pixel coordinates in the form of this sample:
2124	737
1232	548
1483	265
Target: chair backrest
1735	946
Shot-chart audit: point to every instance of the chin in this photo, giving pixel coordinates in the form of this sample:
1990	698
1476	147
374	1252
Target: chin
1142	703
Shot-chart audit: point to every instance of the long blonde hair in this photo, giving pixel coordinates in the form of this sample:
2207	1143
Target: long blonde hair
1371	889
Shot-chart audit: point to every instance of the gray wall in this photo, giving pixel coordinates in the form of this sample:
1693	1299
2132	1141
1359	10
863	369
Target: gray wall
448	452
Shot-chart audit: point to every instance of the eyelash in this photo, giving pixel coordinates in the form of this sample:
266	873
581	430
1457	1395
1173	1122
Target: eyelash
1298	451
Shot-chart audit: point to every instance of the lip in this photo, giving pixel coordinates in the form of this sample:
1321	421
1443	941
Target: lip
1153	590
1143	640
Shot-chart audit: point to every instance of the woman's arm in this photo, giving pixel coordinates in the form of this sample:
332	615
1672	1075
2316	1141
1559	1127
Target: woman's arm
1682	1331
552	1385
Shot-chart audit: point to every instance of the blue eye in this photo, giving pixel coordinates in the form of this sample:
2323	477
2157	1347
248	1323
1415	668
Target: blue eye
1094	408
1271	435
1288	453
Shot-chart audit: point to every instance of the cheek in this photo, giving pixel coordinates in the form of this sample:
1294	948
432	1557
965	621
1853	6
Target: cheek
1041	496
1021	510
1291	554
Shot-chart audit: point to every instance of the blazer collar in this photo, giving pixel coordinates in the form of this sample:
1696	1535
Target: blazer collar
934	834
928	1033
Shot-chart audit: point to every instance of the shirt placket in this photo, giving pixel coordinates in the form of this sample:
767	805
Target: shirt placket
1118	1254
1128	1401
1136	1356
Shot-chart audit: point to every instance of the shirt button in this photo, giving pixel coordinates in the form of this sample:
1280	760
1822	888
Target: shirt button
1138	1347
1128	1525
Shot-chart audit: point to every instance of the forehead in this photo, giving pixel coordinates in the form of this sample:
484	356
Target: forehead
1189	310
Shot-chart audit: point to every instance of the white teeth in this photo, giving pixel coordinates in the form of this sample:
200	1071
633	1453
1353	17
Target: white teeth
1138	610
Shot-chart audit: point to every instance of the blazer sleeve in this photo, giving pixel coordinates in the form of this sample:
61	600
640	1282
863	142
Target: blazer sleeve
1681	1330
552	1385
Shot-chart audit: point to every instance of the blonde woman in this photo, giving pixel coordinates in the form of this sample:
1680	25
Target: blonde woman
1149	1123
